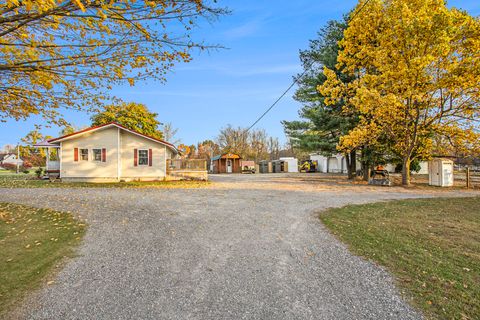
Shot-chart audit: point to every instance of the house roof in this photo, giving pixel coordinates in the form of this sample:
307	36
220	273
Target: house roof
52	142
3	156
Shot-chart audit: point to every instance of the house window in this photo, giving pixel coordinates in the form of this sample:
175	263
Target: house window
84	154
142	157
97	154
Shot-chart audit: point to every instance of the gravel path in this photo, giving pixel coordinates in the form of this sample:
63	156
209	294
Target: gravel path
211	254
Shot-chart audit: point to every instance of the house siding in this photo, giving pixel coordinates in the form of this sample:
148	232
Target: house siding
157	171
107	139
119	164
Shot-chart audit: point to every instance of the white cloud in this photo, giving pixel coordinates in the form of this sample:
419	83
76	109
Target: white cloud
244	70
247	29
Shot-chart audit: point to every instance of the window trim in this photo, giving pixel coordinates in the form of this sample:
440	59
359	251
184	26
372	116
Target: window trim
138	157
80	156
93	155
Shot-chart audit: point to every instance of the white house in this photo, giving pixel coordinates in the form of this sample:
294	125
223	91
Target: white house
109	152
10	158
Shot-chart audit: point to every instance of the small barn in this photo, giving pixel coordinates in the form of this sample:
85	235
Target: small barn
226	163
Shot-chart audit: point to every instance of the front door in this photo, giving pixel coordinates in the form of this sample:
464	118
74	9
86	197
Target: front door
229	166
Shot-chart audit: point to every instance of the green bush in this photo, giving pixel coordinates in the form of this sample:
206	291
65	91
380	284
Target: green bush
39	172
414	166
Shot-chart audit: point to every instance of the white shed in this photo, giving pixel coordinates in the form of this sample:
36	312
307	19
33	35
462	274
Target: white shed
332	164
440	173
292	163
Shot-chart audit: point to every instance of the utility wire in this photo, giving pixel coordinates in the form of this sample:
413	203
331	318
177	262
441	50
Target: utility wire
278	100
298	78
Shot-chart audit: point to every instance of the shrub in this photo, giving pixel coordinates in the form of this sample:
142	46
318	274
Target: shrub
414	166
39	172
27	164
36	160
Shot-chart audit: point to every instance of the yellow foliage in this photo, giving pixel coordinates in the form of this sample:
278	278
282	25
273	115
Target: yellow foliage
67	54
417	65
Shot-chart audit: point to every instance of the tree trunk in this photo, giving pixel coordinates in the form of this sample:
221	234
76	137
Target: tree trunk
365	170
352	165
347	160
365	164
406	171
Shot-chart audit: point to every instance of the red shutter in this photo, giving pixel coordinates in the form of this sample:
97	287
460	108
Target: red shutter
104	155
75	154
150	157
135	157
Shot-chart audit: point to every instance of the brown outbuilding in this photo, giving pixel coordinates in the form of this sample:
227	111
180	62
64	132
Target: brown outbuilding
226	163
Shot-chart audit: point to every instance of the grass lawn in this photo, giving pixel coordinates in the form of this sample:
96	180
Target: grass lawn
32	243
432	247
21	180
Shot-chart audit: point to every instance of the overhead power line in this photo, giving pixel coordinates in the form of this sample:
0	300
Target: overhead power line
297	78
276	101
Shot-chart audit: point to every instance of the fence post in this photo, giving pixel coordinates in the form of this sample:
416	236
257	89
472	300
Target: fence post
468	178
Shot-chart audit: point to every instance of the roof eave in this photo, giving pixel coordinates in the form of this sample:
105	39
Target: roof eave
114	124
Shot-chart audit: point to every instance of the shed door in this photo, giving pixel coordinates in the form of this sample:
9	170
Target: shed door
229	166
332	165
435	173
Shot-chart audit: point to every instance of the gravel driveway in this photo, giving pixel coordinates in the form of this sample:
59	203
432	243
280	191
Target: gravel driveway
217	253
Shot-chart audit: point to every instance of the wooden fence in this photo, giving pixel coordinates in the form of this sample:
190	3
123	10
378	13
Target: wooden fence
187	169
467	178
186	164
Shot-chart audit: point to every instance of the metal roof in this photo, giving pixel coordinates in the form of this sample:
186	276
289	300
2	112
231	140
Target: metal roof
220	156
216	157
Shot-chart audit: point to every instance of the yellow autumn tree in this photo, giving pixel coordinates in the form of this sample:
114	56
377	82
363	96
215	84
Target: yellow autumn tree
417	65
69	53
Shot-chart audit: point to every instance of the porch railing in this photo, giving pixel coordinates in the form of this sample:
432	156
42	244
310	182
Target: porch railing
53	165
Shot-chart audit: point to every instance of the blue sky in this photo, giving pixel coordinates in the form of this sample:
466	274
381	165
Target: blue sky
234	85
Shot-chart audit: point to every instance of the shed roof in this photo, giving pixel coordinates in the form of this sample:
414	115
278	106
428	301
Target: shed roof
226	156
